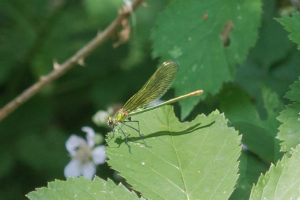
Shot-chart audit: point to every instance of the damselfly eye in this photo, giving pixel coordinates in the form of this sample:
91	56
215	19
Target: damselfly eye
110	121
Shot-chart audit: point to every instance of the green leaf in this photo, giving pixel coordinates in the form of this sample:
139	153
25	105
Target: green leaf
269	50
13	50
82	189
294	93
190	160
292	25
250	169
289	130
102	8
258	134
276	78
281	181
204	63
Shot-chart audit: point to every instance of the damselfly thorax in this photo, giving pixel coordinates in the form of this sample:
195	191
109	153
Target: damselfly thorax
119	117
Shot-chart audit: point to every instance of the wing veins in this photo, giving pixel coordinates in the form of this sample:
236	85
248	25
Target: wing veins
154	88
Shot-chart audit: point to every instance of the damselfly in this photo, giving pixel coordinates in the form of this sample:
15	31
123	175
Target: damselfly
154	88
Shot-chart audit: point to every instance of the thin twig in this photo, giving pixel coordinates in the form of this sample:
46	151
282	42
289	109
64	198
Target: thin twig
78	57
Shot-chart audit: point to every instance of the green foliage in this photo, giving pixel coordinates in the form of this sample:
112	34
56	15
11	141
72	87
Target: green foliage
199	159
32	35
292	25
51	148
82	189
250	169
281	181
269	50
258	134
204	63
179	158
289	130
6	164
102	8
294	93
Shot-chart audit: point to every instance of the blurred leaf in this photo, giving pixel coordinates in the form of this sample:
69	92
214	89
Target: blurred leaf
292	25
45	152
32	34
102	8
24	27
13	49
136	53
82	189
30	117
142	21
258	135
289	130
112	89
250	169
251	76
180	158
204	63
273	43
7	161
64	39
281	181
294	93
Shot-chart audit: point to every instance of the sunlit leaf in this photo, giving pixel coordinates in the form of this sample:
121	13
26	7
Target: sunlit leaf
282	181
185	35
190	160
292	25
82	189
289	130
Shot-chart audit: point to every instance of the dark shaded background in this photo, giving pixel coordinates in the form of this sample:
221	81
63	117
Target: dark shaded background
32	34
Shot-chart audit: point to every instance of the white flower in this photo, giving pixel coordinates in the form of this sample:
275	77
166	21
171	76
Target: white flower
84	155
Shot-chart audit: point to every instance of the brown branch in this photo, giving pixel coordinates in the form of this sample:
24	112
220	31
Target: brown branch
78	57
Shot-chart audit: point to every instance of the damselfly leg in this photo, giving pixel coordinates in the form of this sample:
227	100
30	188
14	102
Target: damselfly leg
138	130
125	137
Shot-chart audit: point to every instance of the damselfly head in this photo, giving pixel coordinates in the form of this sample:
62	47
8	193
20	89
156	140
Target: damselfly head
110	121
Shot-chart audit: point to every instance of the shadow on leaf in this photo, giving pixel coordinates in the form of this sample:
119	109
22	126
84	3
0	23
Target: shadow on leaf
193	128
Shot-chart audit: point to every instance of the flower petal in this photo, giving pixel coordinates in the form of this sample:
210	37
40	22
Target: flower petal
90	135
73	169
73	143
244	147
88	170
98	155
